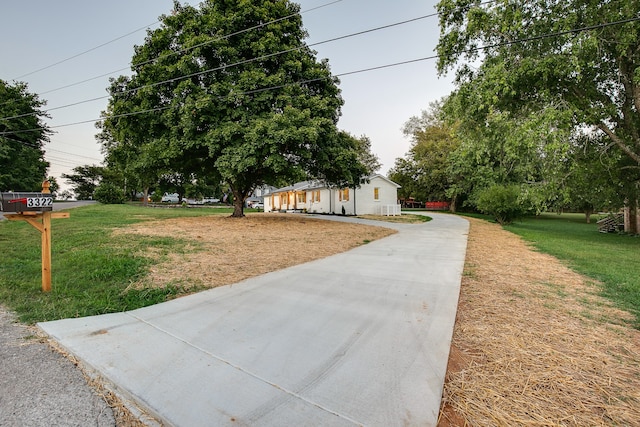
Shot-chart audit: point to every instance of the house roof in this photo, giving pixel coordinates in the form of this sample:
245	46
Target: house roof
299	186
377	175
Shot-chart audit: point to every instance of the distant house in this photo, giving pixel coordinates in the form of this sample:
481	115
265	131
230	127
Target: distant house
377	195
258	195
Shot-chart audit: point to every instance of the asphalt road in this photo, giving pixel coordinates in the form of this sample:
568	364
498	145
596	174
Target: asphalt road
38	386
41	388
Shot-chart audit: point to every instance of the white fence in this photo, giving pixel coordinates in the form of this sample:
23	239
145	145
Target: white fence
388	210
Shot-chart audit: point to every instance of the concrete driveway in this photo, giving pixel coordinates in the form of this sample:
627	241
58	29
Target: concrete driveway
359	338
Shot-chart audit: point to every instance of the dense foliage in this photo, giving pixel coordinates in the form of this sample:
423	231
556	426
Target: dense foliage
547	103
109	194
423	173
84	180
537	79
22	138
229	92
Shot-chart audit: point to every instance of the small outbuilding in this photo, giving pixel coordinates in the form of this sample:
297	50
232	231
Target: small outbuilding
376	195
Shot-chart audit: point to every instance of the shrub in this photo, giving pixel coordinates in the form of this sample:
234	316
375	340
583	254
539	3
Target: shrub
502	202
109	194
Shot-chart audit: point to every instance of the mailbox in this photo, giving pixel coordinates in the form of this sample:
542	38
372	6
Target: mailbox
25	202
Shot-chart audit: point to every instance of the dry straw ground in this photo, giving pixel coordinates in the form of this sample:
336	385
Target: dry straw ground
225	250
533	343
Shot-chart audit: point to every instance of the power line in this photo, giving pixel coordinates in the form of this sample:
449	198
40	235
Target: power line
25	143
173	53
255	27
250	92
151	60
62	162
71	154
84	52
548	35
46	151
224	67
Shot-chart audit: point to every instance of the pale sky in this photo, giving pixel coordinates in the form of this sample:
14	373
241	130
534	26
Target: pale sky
39	33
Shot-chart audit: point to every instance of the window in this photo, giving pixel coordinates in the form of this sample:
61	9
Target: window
302	197
317	196
376	193
284	199
344	195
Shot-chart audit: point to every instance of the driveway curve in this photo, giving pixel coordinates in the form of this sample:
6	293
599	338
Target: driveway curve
358	338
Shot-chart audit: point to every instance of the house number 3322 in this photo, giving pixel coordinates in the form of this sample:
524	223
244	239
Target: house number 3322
39	202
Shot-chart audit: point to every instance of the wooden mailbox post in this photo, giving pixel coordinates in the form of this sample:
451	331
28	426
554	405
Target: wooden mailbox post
35	208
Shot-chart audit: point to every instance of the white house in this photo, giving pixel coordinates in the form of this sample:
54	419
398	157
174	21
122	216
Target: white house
377	195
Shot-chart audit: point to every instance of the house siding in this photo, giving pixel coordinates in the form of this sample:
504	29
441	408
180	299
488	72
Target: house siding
361	200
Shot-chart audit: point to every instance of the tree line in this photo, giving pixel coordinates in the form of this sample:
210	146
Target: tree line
546	111
227	96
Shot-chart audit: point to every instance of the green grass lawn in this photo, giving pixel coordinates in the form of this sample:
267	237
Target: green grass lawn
612	259
91	268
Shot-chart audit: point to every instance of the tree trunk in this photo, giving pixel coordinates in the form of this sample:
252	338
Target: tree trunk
145	196
587	215
238	205
631	219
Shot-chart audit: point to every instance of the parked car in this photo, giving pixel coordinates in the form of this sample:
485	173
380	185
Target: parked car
170	198
258	205
210	200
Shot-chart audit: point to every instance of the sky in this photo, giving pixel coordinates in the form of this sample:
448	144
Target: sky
51	45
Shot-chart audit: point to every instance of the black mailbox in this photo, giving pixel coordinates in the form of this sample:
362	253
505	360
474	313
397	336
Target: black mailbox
25	202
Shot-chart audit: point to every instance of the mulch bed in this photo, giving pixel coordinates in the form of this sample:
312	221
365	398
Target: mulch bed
534	343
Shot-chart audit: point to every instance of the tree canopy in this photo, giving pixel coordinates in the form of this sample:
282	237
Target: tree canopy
84	180
551	70
22	138
423	172
230	91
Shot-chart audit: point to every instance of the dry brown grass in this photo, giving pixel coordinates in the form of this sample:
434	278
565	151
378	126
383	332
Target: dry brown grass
534	345
227	250
404	218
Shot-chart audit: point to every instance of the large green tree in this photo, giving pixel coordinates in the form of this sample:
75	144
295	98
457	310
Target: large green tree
230	90
503	148
84	180
130	142
592	179
23	134
524	56
422	173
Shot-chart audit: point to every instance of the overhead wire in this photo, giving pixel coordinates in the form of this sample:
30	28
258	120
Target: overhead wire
151	60
85	52
172	53
246	61
480	48
71	154
47	150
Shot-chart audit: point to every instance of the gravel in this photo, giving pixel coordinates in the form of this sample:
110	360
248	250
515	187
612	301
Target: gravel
40	387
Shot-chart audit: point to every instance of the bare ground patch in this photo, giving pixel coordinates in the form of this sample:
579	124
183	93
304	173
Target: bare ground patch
535	345
227	250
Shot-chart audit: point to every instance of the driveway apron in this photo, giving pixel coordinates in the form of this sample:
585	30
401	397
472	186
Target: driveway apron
358	338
